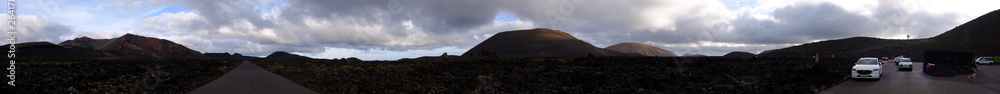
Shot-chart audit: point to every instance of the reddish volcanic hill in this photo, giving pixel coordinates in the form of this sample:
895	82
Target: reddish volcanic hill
135	46
639	48
539	42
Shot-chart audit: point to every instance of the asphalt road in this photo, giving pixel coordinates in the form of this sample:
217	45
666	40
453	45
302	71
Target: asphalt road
251	79
915	82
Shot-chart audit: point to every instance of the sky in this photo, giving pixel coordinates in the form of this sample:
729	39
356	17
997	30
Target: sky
394	29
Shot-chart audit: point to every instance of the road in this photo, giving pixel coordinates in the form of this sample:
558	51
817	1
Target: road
251	79
915	82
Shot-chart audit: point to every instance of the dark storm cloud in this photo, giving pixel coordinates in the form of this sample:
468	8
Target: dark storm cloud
223	12
310	25
797	23
434	16
802	23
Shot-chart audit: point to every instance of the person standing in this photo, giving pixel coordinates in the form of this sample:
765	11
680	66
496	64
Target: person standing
816	57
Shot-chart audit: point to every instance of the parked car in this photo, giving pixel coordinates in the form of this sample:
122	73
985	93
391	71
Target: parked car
896	59
867	68
884	60
985	60
904	63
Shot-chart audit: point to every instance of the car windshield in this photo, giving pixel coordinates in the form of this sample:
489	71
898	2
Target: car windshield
905	60
867	62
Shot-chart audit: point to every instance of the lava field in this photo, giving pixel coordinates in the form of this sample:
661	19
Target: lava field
568	75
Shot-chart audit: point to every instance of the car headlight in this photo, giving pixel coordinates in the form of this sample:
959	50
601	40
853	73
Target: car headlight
854	69
875	70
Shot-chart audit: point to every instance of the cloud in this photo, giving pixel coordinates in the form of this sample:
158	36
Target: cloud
757	28
311	26
31	28
326	27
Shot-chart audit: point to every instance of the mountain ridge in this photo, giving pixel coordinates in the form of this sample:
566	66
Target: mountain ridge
977	36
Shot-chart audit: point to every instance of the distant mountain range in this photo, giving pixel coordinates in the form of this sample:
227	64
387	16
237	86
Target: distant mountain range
980	36
229	56
46	50
128	46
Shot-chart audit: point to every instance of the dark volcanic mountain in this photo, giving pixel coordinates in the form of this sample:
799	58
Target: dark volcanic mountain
228	56
739	54
539	42
46	50
285	55
135	46
639	48
978	36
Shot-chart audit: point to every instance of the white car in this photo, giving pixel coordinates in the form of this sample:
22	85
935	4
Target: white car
904	63
985	60
867	68
896	59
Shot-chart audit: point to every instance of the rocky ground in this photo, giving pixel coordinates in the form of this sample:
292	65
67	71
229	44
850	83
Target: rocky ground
568	75
114	76
510	75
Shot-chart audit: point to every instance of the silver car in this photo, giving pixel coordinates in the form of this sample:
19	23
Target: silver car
985	60
904	63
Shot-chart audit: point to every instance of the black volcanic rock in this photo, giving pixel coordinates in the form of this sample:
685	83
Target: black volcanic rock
639	48
46	50
537	43
978	36
285	55
739	54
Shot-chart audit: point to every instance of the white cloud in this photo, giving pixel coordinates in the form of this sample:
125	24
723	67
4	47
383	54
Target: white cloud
31	28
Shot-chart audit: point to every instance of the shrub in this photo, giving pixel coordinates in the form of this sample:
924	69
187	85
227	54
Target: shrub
996	59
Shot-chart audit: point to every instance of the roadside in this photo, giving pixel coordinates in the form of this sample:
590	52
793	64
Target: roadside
916	82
